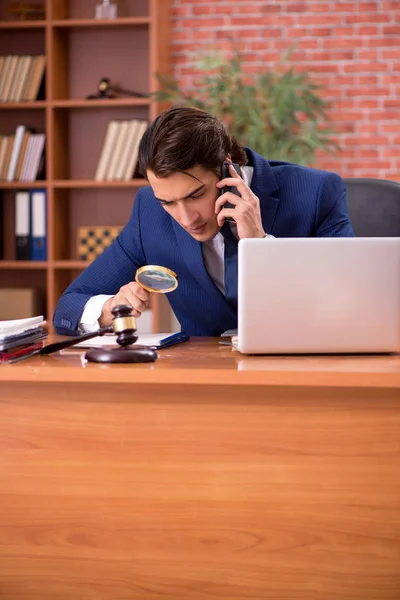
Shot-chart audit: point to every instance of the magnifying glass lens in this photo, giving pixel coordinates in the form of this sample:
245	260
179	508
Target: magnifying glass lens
154	278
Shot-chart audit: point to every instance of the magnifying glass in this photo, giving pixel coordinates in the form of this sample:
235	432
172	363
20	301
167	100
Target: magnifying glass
154	278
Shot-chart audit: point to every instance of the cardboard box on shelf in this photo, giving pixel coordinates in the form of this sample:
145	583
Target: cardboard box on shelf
20	303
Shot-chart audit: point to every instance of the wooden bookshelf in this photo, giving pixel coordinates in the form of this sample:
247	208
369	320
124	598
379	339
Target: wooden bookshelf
23	25
90	183
22	185
90	104
89	23
39	104
80	50
22	265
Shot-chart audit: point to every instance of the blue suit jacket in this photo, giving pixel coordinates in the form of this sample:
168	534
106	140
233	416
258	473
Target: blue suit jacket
295	201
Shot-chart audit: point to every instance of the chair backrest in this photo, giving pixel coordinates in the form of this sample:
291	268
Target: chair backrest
374	207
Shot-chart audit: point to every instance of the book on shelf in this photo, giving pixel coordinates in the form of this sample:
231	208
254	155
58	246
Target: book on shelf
7	142
38	208
31	225
20	134
22	225
22	155
22	78
9	72
119	153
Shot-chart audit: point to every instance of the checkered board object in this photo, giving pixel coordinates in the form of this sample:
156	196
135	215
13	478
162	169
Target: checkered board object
92	241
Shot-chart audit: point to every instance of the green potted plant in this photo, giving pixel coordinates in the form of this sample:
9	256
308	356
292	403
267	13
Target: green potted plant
276	112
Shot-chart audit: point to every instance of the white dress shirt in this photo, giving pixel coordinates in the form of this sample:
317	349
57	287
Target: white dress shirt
213	255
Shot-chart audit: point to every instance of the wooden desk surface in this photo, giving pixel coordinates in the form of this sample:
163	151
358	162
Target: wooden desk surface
204	361
273	478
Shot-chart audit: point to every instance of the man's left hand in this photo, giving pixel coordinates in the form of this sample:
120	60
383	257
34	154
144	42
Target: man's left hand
246	213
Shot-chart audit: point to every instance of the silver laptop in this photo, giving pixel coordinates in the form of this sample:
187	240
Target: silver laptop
319	295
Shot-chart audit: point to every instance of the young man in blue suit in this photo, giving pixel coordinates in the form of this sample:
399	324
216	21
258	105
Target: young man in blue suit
180	223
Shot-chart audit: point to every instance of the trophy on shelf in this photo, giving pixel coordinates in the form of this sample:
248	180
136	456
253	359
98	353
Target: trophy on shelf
106	10
106	91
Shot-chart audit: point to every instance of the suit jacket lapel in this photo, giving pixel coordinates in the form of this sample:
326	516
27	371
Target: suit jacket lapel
265	187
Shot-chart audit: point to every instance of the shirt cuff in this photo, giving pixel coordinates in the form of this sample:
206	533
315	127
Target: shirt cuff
91	313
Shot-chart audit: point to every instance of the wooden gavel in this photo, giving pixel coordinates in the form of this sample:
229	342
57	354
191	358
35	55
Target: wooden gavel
124	327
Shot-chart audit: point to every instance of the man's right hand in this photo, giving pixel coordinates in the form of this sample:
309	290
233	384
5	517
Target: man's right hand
131	294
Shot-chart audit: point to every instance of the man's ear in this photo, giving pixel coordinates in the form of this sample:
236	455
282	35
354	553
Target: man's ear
228	157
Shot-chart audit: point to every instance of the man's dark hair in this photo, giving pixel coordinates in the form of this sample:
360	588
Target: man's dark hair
182	137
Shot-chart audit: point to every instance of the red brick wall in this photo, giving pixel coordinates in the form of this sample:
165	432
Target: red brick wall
352	47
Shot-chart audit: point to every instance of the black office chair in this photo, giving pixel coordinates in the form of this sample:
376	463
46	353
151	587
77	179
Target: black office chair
374	207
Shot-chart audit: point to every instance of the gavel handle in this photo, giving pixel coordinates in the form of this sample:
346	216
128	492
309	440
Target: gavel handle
75	340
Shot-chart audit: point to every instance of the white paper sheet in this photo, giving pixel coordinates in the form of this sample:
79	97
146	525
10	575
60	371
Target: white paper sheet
150	339
16	326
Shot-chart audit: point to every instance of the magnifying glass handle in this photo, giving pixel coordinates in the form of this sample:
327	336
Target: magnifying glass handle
75	340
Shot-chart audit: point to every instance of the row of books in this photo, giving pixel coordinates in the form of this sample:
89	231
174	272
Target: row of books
22	78
22	155
30	225
119	153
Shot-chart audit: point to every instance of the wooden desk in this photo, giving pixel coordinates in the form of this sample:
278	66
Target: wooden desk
205	475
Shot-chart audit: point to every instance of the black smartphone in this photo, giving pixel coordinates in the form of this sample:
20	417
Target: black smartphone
224	174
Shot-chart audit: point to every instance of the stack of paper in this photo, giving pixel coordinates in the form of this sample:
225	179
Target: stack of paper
21	338
19	326
230	338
